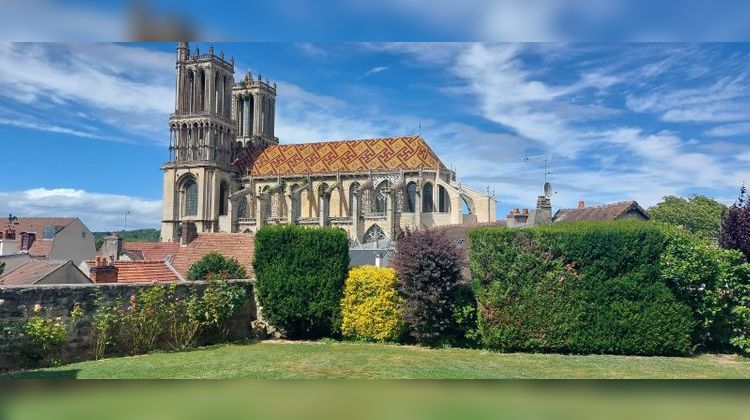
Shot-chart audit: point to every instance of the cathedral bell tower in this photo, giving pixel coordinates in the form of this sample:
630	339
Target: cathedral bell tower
199	176
254	104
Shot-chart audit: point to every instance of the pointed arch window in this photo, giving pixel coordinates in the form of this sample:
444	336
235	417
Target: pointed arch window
427	203
191	197
411	197
444	203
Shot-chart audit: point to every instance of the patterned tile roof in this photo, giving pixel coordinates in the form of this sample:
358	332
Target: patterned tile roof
612	211
391	153
240	246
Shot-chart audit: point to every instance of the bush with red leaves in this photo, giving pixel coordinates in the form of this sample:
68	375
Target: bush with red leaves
428	263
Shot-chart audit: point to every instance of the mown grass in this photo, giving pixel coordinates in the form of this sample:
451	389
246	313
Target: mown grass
329	359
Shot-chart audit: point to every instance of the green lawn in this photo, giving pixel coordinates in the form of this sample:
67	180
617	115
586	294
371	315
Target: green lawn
328	359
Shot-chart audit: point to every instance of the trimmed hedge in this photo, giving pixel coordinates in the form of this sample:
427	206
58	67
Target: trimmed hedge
578	288
371	307
300	276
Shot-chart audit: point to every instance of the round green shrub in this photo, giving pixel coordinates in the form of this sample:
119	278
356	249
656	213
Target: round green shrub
215	266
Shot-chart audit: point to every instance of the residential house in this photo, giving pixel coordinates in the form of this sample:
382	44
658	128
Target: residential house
43	271
53	238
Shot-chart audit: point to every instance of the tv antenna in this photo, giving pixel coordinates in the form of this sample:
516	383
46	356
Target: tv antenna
125	225
546	159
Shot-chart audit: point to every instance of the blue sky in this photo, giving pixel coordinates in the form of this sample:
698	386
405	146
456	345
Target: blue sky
85	125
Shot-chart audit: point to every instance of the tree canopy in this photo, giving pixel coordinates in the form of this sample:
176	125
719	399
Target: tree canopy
698	214
735	225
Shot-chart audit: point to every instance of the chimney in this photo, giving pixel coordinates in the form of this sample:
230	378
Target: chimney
543	210
188	231
516	218
581	204
8	246
112	246
103	272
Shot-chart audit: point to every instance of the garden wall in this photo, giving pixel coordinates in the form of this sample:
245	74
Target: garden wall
58	300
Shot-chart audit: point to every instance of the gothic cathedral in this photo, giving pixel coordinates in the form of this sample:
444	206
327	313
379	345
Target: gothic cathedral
227	172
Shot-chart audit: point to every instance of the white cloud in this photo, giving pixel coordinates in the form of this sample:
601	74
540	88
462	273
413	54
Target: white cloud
100	212
131	89
724	100
374	70
50	128
311	49
730	130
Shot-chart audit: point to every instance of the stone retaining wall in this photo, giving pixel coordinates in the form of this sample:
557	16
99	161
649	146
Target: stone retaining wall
58	300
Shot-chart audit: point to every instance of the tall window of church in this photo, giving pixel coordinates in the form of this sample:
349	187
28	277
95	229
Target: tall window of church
216	92
267	208
411	197
352	192
427	203
190	91
444	203
223	199
191	198
379	201
202	93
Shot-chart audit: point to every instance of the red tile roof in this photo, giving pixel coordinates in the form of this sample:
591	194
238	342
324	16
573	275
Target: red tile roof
41	247
391	153
142	271
150	251
612	211
240	246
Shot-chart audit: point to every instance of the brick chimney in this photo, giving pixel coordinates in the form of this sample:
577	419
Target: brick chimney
581	204
103	271
517	218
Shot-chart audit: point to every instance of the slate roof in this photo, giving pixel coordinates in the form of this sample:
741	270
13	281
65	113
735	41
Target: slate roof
612	211
41	247
240	246
30	273
392	153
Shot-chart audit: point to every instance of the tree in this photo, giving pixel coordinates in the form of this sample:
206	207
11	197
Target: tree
428	263
735	225
214	265
698	214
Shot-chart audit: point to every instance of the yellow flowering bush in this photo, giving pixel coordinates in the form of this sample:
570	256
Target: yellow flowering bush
371	307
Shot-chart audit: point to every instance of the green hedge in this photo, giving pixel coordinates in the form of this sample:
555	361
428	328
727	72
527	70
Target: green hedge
580	288
300	274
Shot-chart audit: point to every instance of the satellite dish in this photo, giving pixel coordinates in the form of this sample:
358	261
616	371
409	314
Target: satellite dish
548	190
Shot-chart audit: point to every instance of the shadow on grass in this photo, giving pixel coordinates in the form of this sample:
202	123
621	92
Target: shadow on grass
42	374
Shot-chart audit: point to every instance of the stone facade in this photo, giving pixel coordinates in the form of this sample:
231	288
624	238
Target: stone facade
227	172
16	302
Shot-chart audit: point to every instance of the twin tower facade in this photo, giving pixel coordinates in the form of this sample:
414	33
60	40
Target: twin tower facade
227	172
214	119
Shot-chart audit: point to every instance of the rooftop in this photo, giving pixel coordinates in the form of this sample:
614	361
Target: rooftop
142	271
379	154
611	211
240	246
